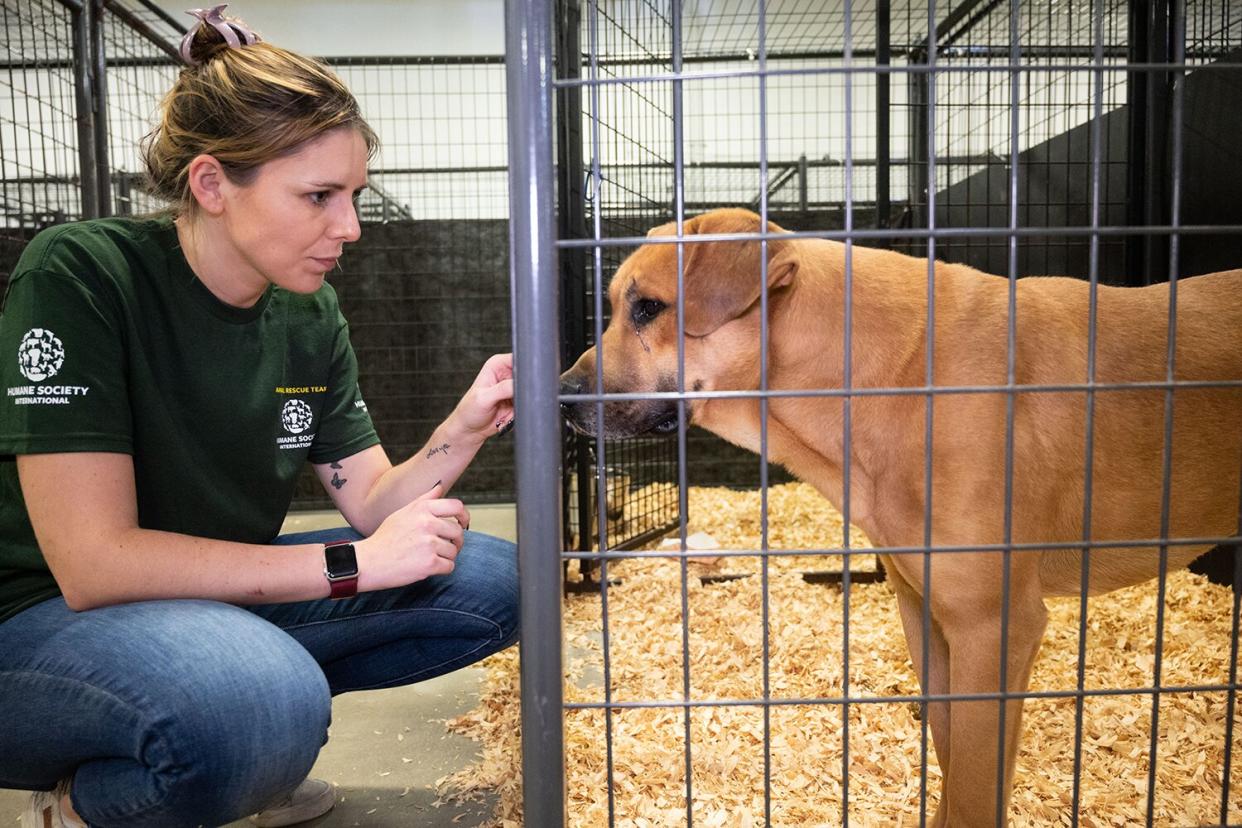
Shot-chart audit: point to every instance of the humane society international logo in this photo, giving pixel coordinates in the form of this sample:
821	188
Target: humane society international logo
296	417
40	356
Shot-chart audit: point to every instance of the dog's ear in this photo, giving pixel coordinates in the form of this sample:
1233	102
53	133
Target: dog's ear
670	228
722	279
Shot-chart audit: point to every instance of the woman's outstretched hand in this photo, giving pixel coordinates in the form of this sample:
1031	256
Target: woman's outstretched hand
486	409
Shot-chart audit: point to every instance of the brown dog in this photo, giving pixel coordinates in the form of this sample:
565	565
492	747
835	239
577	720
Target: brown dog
887	491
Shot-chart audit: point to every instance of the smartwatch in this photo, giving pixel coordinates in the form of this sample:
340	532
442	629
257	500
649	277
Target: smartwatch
340	567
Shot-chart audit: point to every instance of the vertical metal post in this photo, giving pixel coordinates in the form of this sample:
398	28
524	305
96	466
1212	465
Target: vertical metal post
1148	98
883	101
571	214
683	410
103	176
124	195
928	146
532	262
571	209
920	133
802	183
84	101
1136	139
1156	161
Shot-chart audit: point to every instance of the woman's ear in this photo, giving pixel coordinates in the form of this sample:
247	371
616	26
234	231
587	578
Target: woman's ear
207	183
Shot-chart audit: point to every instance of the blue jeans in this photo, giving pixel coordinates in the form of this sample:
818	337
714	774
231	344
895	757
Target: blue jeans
189	712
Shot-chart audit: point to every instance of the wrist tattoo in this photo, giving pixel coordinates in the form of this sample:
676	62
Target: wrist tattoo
442	449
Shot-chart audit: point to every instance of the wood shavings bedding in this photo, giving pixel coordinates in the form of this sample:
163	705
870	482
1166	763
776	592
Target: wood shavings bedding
806	647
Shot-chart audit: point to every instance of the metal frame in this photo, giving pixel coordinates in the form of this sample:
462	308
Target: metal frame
70	137
85	56
89	100
613	497
533	254
531	53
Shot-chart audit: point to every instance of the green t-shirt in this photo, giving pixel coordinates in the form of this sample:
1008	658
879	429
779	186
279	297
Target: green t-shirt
108	342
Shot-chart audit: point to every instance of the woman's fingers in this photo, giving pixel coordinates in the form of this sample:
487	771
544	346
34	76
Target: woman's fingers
501	365
449	507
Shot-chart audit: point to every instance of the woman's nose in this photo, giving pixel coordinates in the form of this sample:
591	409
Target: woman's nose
348	228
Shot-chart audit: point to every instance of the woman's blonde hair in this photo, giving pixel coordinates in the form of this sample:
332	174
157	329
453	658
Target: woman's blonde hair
243	105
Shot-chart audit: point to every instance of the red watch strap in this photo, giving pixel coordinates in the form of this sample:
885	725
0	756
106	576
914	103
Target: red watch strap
343	587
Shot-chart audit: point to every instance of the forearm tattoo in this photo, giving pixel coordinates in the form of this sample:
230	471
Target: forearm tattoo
434	450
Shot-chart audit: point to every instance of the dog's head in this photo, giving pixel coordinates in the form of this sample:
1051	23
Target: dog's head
639	347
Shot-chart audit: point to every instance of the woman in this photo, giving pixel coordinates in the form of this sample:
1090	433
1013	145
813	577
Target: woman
164	660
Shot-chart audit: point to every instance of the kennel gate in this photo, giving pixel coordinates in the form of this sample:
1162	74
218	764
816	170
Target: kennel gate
1090	188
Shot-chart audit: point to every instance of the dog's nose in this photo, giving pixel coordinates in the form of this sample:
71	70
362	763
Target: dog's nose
569	385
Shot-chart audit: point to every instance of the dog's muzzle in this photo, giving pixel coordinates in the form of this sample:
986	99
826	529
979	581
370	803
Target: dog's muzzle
624	418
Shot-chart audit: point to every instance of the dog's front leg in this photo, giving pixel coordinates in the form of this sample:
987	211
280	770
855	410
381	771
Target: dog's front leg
971	622
935	680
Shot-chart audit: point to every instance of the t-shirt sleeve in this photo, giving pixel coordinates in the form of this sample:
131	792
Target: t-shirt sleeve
345	427
62	368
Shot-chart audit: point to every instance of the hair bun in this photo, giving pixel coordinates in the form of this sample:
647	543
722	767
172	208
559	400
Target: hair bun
212	34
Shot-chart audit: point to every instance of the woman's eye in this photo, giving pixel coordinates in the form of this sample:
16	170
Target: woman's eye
645	310
319	198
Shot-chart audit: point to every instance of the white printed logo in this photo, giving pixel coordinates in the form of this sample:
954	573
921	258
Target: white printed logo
296	416
40	355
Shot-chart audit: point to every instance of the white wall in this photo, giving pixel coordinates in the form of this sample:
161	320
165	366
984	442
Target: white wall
369	27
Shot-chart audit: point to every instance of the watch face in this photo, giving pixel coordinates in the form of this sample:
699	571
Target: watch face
340	561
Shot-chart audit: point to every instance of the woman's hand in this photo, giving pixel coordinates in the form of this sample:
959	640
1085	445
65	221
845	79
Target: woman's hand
417	541
487	406
370	492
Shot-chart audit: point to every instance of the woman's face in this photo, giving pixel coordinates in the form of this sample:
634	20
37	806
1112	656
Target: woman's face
289	224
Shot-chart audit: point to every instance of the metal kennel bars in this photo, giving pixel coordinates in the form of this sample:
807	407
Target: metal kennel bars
1024	138
81	80
425	290
638	481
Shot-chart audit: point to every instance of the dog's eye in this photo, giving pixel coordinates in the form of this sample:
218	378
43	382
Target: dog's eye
645	310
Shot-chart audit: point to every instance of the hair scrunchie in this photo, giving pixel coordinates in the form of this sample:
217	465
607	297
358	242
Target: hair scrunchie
233	33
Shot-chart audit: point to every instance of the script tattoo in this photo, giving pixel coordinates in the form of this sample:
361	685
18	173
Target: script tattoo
437	450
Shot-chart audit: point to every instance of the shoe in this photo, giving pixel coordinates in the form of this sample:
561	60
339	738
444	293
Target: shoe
44	810
313	798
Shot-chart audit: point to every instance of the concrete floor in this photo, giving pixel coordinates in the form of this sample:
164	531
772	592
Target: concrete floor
387	747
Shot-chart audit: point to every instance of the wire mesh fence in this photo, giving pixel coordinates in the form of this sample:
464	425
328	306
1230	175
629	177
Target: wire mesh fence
1019	139
425	290
623	186
138	43
38	121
